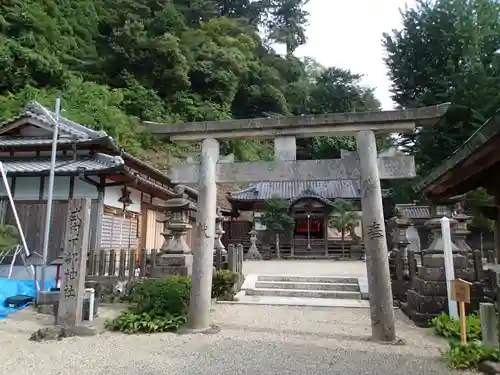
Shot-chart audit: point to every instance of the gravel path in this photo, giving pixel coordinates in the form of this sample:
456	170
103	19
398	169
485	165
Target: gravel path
260	340
306	267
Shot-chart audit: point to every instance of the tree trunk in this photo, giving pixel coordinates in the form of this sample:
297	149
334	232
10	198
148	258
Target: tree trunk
342	240
278	245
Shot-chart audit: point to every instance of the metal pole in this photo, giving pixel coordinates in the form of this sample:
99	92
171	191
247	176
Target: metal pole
448	265
308	232
48	216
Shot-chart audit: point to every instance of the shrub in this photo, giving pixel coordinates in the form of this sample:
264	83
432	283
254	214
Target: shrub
469	356
223	285
162	296
460	356
159	305
447	327
133	322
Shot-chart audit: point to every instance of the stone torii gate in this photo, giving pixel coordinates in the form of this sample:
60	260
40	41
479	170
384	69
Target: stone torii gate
284	130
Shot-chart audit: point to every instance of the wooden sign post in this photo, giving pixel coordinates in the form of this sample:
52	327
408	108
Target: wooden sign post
460	292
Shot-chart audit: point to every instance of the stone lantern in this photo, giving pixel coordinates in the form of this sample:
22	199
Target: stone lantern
253	251
460	232
219	232
167	234
175	257
400	278
427	297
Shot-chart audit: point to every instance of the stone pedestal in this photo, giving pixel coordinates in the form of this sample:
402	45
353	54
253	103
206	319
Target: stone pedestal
398	259
175	256
427	297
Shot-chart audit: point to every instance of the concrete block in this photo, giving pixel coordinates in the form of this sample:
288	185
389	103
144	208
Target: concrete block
489	331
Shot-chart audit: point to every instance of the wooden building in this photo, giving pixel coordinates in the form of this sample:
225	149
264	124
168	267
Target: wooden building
310	206
127	194
476	163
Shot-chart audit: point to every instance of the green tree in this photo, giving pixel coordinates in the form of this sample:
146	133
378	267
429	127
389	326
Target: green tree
475	201
9	237
343	218
117	62
285	22
446	51
278	222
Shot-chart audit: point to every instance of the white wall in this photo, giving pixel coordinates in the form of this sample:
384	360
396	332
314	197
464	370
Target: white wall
83	189
113	193
28	188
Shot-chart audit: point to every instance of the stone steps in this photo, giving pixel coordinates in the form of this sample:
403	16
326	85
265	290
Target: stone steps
305	293
299	290
346	287
308	279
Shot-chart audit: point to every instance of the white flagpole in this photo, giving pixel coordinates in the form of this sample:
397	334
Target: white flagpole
48	217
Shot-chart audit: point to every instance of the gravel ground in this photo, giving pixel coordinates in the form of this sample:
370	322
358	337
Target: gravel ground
306	267
258	340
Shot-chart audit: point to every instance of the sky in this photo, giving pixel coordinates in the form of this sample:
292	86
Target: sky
347	34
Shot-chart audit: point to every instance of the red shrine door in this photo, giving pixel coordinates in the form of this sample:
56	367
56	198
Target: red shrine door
308	231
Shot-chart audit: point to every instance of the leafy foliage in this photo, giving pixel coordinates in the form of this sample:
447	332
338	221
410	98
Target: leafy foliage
464	356
469	356
343	218
9	237
275	216
165	296
474	201
159	305
132	322
277	220
446	51
116	62
449	328
223	285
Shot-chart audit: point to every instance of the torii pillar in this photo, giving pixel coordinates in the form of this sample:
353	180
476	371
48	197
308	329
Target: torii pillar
365	166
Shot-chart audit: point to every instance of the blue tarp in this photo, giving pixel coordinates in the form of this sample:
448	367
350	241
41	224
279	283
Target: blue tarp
11	287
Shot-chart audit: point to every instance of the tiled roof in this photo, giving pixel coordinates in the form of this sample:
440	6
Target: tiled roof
348	189
35	112
96	163
13	141
414	212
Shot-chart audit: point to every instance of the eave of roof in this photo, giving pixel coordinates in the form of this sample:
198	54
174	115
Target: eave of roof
65	166
78	133
477	140
328	189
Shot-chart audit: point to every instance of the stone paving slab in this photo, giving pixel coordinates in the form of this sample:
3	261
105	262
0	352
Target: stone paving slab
297	301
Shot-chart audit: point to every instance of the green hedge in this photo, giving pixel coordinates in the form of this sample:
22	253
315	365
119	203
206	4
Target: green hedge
160	305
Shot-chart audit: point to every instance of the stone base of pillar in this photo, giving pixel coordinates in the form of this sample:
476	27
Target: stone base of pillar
173	265
400	277
428	296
